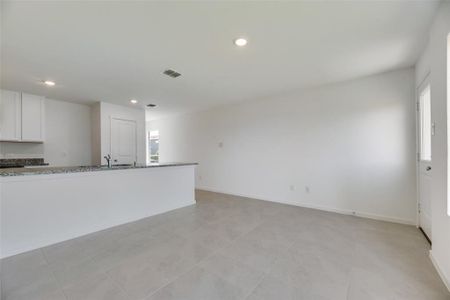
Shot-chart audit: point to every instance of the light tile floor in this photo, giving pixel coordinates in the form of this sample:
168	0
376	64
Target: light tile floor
228	247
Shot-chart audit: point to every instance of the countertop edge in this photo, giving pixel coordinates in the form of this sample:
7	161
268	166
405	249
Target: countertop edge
21	172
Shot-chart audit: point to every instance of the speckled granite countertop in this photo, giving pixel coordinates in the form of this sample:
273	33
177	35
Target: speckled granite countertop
78	169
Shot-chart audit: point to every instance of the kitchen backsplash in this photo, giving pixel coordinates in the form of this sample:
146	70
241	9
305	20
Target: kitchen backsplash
22	161
21	150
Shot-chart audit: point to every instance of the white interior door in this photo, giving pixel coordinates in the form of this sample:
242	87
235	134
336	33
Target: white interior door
426	130
123	141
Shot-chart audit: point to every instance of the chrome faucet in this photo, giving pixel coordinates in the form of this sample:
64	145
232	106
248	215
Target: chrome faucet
108	160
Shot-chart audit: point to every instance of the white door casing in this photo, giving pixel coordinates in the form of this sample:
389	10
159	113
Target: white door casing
425	132
123	141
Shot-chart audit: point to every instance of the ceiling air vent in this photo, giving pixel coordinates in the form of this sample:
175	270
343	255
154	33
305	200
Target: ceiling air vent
172	73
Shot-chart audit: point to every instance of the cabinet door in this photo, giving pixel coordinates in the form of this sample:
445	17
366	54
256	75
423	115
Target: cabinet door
10	116
32	118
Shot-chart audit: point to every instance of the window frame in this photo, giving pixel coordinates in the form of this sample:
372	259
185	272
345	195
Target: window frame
150	139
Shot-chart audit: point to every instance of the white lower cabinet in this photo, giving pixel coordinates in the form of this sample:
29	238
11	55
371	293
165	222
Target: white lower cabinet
22	117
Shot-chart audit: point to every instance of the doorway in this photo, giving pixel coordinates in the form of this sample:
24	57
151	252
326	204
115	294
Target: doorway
123	141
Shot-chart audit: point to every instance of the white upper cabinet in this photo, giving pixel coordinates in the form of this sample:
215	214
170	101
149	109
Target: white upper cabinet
22	117
10	116
32	118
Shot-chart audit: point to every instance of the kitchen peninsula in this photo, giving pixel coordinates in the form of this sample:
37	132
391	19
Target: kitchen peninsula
43	206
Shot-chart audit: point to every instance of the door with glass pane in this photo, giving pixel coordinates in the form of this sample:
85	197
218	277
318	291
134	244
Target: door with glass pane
426	128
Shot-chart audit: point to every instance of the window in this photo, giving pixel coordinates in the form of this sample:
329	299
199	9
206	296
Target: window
425	124
153	146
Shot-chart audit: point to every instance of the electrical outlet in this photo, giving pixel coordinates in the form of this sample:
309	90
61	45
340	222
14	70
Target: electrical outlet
221	145
307	189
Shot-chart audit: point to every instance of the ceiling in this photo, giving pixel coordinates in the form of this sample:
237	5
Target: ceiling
116	51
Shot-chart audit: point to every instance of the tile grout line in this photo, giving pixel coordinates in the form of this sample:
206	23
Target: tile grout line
151	293
267	273
190	269
60	288
256	286
179	275
117	285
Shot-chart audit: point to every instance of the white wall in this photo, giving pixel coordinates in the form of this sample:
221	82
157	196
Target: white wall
352	145
96	134
67	136
104	113
436	62
423	65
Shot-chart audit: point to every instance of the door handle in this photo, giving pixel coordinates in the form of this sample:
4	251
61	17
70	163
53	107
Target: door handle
428	168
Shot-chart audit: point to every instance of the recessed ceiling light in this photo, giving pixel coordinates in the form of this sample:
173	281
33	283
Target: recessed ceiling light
241	42
134	101
49	83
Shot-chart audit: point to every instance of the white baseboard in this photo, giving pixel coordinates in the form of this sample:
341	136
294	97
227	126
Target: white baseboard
319	207
444	278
